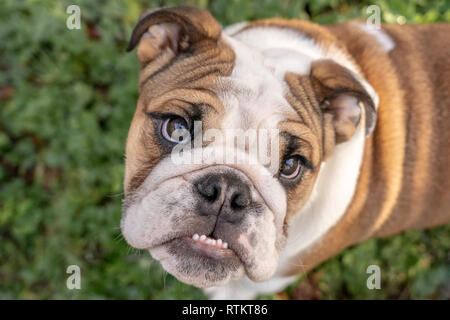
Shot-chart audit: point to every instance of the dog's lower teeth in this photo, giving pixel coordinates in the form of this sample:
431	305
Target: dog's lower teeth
213	242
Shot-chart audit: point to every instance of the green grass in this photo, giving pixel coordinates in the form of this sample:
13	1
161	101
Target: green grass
66	101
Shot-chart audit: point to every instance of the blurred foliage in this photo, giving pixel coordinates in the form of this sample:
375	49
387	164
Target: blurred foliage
66	101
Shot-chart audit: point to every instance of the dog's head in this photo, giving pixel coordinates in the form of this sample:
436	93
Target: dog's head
215	218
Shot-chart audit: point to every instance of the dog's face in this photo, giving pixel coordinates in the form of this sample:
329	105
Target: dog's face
211	221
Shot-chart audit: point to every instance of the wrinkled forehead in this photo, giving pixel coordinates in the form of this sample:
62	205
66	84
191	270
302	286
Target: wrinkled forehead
254	95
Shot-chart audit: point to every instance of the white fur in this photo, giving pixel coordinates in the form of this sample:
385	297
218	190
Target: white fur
257	98
383	39
245	289
231	29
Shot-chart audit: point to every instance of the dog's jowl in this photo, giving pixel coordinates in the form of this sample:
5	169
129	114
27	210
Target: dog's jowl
362	147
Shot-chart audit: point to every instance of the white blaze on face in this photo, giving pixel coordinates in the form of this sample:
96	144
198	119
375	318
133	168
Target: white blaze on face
254	94
256	90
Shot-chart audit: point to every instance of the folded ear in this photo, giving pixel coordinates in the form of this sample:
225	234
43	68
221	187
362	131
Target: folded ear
174	29
343	96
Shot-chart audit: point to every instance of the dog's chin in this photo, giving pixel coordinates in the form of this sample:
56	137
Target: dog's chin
198	264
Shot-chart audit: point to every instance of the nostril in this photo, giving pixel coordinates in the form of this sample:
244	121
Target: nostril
239	200
210	191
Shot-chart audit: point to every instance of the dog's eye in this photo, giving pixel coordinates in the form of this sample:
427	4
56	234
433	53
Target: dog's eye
175	129
291	167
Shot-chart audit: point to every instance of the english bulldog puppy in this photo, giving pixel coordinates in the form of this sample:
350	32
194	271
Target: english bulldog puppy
354	121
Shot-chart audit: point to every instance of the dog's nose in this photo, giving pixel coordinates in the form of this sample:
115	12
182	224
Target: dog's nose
225	191
210	188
